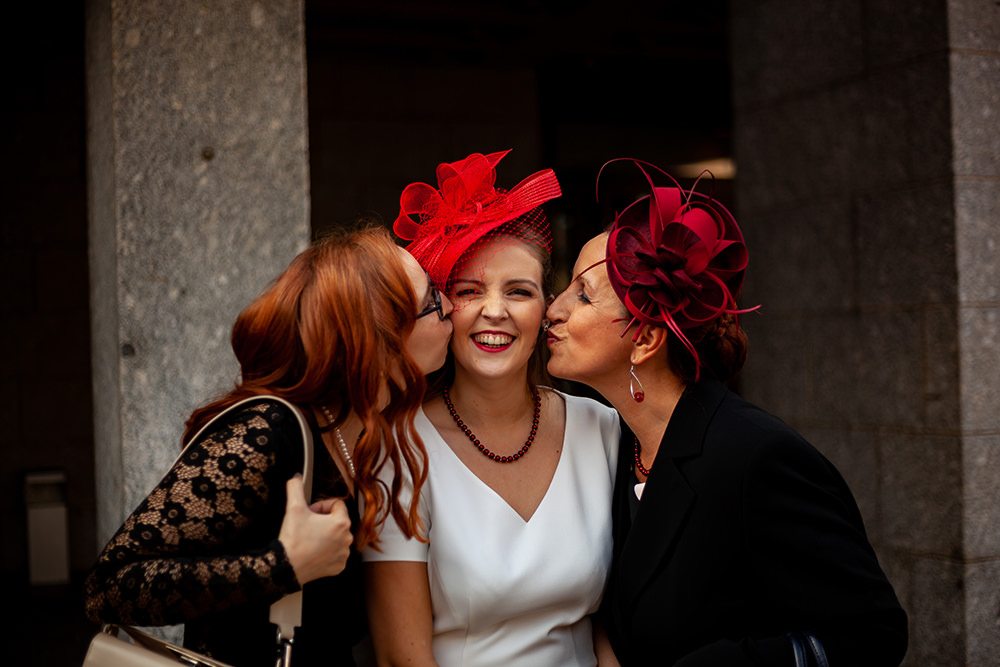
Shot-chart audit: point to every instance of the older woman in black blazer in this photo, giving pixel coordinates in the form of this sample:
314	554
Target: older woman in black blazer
732	533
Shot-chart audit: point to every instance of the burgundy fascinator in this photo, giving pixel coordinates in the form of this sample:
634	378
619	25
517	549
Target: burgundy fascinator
676	258
464	208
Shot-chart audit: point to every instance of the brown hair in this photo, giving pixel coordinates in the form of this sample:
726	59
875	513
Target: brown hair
331	330
722	350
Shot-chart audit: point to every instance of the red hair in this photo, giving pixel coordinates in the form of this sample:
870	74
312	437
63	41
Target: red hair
331	330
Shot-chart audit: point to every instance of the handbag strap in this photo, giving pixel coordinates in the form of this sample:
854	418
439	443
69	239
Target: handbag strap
817	650
286	613
804	643
798	649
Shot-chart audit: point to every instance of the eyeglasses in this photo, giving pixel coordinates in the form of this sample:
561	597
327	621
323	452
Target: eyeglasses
435	304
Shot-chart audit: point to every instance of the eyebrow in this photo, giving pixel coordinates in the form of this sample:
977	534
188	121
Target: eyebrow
507	283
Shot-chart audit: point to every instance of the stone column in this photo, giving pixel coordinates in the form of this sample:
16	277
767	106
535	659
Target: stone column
868	145
199	195
974	71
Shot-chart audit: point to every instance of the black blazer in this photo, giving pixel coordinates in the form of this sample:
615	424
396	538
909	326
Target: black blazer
745	532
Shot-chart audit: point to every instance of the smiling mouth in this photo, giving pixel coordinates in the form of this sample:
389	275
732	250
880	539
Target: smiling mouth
493	340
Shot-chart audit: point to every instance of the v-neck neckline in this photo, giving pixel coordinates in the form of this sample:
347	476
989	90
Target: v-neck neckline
555	473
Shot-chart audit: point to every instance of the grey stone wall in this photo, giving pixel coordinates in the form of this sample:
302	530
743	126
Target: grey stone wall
199	188
974	61
868	148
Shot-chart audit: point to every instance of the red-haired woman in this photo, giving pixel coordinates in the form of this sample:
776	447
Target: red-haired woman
344	334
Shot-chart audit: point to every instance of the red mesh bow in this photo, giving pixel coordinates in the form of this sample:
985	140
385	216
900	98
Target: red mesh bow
676	258
463	208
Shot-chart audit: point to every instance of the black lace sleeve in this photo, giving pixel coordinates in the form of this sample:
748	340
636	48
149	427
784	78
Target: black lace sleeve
205	539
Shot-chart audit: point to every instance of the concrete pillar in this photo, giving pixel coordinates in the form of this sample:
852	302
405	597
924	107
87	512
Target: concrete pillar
868	145
198	196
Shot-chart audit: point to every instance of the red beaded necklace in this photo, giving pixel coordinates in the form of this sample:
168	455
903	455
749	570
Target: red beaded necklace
638	460
480	446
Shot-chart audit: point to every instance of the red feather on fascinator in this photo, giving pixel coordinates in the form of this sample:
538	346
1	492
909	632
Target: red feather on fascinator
464	207
676	258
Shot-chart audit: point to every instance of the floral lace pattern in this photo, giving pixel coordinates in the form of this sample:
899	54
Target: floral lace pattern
204	540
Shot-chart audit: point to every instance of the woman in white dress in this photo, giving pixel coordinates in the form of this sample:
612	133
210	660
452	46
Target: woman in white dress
516	506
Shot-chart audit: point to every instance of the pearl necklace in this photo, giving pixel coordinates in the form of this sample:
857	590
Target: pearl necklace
340	441
496	457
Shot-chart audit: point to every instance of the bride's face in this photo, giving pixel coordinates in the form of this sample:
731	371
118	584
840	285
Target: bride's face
499	303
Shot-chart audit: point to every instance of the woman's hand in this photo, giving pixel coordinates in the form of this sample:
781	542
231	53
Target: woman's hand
317	538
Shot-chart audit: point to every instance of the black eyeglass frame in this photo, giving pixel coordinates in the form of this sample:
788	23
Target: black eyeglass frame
435	304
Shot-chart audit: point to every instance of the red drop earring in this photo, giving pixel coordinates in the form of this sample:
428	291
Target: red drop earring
638	395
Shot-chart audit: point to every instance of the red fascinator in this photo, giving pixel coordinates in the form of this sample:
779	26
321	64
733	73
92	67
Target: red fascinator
676	258
464	208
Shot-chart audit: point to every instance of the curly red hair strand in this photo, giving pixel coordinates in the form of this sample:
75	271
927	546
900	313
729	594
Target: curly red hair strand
331	330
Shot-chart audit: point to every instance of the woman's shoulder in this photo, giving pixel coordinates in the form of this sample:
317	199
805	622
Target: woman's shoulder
754	424
588	413
583	405
260	412
262	423
751	438
427	419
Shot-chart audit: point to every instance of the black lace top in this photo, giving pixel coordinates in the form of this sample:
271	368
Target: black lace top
202	549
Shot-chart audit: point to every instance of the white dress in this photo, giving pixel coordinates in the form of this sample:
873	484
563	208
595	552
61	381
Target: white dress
506	591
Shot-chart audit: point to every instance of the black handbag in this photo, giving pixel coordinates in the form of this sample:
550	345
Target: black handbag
109	649
806	644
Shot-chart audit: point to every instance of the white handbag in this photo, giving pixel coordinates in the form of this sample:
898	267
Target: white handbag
109	648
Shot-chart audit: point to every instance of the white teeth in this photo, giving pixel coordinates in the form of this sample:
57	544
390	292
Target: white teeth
493	340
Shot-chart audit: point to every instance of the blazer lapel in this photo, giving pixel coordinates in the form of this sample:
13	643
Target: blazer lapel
667	498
